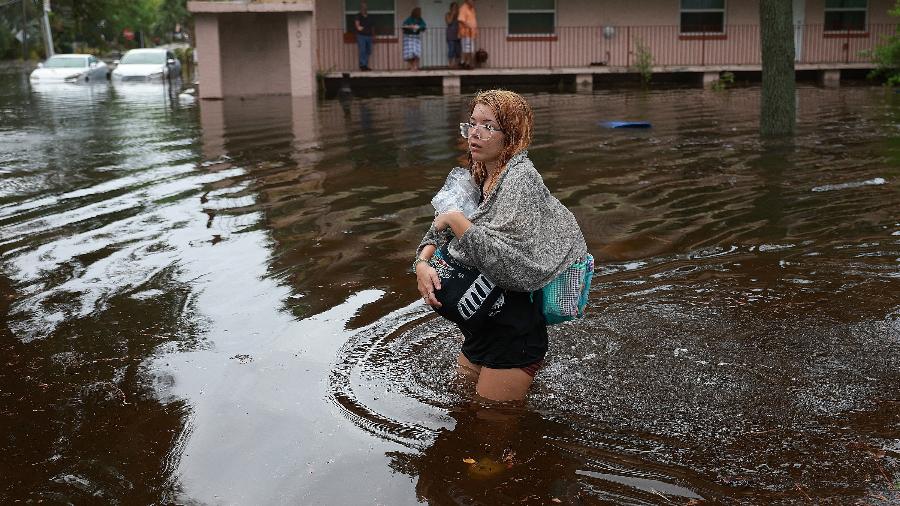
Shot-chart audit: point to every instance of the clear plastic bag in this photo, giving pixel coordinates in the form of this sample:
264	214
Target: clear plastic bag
459	193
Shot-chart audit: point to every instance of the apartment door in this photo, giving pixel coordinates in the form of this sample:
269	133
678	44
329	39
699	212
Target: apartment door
799	21
434	45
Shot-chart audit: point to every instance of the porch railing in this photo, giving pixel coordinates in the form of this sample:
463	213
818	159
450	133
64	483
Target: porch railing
583	46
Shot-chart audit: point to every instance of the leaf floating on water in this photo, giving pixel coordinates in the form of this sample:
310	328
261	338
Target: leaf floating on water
469	461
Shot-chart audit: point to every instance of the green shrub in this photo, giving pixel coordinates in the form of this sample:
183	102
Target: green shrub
887	56
186	56
643	62
726	79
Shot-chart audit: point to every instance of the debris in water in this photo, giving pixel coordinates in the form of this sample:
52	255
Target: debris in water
843	186
485	468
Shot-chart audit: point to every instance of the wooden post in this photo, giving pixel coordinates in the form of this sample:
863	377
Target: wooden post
584	83
451	85
830	78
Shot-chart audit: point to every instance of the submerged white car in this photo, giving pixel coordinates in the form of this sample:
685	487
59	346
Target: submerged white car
70	68
147	65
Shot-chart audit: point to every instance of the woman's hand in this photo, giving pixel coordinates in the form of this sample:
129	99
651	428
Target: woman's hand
455	220
428	282
442	221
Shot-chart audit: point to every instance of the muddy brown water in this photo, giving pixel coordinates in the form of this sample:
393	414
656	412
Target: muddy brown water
208	303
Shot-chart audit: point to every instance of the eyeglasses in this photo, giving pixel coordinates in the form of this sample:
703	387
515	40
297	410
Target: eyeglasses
481	132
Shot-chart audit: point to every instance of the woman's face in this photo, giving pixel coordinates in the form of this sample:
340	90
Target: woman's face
485	150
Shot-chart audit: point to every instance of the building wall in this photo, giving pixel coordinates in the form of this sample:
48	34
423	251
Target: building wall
255	56
580	40
492	13
330	13
877	12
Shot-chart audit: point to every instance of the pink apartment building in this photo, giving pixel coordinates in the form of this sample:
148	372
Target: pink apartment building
278	47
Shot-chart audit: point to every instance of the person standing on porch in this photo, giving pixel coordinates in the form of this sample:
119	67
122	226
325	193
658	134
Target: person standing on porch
365	32
413	26
468	32
453	46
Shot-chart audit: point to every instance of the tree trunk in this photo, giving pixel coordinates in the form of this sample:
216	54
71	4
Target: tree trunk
25	54
776	26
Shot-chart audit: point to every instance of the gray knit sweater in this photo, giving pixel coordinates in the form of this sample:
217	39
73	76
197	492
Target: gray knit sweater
521	236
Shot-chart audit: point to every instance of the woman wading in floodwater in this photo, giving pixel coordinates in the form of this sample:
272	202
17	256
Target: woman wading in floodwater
517	240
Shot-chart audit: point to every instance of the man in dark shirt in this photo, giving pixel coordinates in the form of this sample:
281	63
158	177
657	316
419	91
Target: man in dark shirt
365	32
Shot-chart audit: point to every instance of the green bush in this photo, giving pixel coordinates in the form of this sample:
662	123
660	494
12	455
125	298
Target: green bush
726	79
185	55
643	62
887	56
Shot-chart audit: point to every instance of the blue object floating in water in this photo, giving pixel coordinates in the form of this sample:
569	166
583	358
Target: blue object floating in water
625	124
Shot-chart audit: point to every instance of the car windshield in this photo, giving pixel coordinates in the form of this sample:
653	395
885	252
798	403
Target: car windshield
143	58
62	62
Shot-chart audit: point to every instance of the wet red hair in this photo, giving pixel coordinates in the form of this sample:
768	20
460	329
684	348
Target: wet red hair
514	117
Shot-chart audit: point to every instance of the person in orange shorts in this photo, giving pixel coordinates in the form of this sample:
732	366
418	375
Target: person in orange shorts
468	32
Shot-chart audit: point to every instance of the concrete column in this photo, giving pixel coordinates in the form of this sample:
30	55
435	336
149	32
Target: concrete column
305	123
709	79
302	53
451	85
212	128
584	82
209	58
830	78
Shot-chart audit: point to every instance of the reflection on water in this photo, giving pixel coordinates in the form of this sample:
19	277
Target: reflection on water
208	302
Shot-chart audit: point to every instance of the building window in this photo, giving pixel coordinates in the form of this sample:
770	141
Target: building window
381	12
845	15
531	17
702	16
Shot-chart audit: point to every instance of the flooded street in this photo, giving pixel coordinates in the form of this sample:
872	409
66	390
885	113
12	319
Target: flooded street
209	303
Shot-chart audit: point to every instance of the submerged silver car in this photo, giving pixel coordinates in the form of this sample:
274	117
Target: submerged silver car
70	68
144	65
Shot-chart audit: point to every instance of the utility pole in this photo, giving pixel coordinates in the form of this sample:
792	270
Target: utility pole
48	35
24	30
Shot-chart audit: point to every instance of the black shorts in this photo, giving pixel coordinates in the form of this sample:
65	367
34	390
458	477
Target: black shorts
516	336
503	329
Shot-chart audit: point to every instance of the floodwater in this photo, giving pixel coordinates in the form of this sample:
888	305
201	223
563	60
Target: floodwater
208	303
